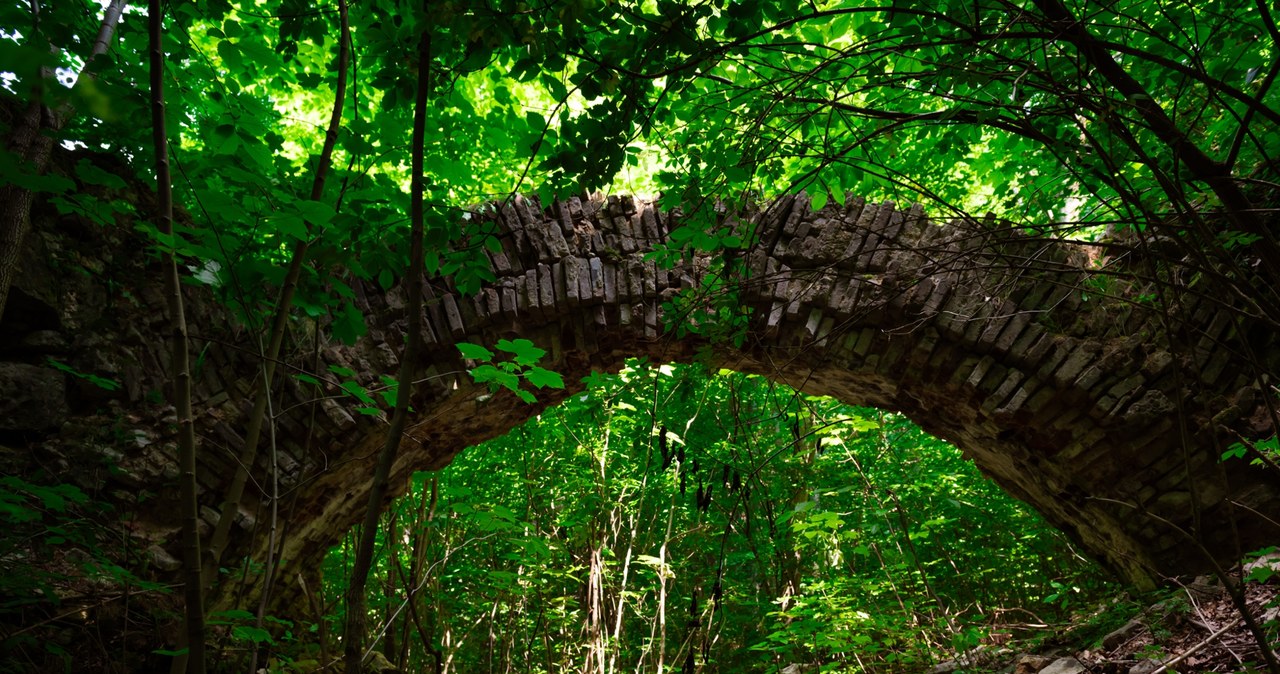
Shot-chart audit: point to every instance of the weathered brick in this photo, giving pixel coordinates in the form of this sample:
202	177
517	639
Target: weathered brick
1003	392
586	285
1073	364
508	300
454	317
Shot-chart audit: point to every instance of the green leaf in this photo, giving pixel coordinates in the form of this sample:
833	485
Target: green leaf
11	171
1235	451
92	175
524	350
317	213
474	351
818	200
342	371
488	374
1261	574
534	121
255	635
349	326
543	378
649	560
226	617
100	382
53	501
358	392
291	225
684	234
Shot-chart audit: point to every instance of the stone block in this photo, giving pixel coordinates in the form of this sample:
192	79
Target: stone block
1073	364
454	316
635	279
508	300
32	398
1064	666
888	240
609	273
572	292
1003	391
488	306
651	229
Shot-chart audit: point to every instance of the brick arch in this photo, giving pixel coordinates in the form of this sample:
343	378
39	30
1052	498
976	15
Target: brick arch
1056	381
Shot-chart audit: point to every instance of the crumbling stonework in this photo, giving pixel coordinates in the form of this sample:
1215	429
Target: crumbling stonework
1068	394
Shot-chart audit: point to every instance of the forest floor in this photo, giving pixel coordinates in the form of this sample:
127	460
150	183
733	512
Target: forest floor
1196	628
1193	628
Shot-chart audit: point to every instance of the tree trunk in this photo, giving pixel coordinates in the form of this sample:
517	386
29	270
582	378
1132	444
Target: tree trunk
192	589
354	634
32	142
253	431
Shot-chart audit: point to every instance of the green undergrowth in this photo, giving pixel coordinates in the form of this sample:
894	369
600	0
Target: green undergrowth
678	518
68	572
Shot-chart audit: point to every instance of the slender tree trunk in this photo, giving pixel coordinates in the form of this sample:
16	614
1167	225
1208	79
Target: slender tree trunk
15	202
413	582
389	587
662	587
253	431
594	617
354	633
322	625
790	558
269	568
620	609
32	141
192	590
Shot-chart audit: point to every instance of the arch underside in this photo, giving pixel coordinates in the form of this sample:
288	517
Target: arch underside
1067	395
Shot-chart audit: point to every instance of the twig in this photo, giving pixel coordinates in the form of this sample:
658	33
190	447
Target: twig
1257	453
1233	590
1164	667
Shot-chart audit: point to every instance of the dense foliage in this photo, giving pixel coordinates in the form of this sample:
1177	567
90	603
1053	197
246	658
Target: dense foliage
668	515
665	517
1056	116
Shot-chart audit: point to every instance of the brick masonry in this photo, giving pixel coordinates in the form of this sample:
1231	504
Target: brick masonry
1059	382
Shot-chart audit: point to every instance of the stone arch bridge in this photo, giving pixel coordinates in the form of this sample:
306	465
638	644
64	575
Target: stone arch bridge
1062	384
